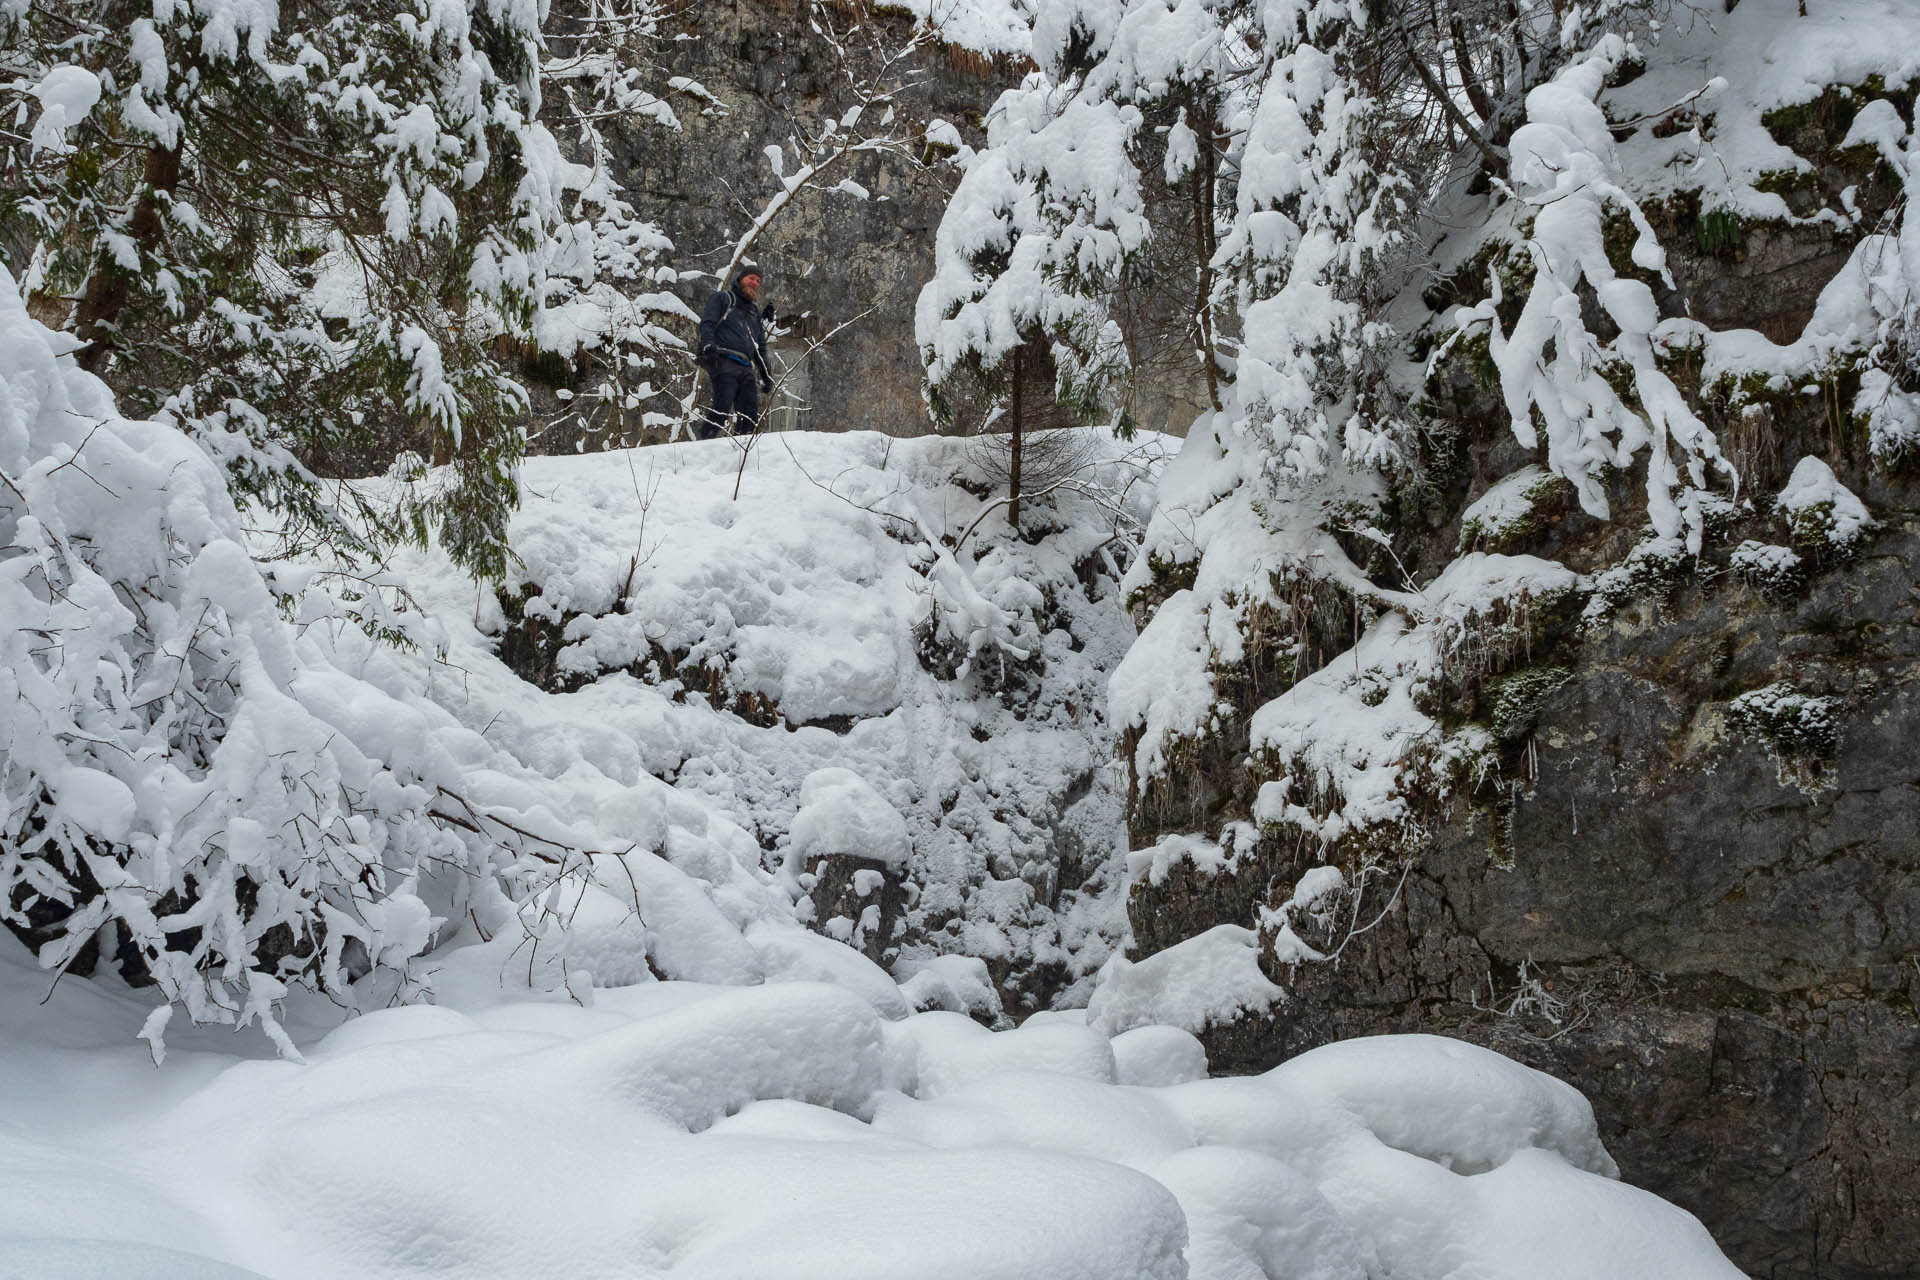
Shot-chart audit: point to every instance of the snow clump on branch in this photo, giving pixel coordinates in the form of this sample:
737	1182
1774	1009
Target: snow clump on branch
1550	362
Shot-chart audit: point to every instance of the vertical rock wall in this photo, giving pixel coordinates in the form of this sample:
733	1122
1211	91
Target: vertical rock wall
1705	917
832	259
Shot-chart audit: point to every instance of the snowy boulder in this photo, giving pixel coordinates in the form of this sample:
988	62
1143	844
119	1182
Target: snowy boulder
932	1054
1040	1110
391	1026
859	902
803	1040
956	984
852	844
1251	1215
814	1210
634	919
1406	1090
793	954
686	935
841	814
1214	977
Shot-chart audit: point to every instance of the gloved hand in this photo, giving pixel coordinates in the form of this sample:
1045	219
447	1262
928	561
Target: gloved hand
706	356
766	385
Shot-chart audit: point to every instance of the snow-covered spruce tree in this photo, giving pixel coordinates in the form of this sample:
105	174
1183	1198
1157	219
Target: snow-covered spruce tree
1273	552
1269	131
1013	321
300	232
1253	119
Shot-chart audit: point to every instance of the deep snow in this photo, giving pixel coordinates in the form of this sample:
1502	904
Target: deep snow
642	1064
683	1129
963	685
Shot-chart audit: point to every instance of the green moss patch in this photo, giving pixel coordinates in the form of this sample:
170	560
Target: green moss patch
1793	726
1515	512
1653	570
1515	699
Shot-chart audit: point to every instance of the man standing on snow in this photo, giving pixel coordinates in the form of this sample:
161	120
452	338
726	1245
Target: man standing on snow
733	351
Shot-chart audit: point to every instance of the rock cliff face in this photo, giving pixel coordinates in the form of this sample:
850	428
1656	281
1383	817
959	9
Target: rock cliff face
832	259
1716	941
1692	885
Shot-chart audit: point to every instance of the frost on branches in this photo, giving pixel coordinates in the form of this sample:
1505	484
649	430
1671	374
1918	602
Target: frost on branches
300	232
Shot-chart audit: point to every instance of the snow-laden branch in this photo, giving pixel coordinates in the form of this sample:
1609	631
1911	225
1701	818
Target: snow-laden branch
1553	369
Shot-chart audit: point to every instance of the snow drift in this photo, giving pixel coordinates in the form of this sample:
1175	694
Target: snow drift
676	1129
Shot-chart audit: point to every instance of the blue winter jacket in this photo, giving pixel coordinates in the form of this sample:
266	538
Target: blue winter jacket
731	328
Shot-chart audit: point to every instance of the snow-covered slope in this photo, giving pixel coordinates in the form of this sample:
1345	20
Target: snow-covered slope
861	604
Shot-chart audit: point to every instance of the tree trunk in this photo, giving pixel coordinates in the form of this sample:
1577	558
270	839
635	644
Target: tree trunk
1204	246
1016	439
108	288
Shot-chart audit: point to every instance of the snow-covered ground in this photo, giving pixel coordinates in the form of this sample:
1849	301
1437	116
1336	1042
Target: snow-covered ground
594	1038
965	684
691	1130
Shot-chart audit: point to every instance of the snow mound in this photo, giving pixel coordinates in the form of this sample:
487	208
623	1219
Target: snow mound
683	1129
1210	978
1157	1055
841	814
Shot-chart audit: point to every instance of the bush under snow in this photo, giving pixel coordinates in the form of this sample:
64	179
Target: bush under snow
832	618
236	800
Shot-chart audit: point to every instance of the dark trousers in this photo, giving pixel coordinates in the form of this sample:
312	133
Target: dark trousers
735	391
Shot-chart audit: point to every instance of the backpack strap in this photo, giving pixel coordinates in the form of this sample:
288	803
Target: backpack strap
728	290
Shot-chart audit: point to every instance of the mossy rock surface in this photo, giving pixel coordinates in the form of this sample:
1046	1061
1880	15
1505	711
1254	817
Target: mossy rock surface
1515	699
